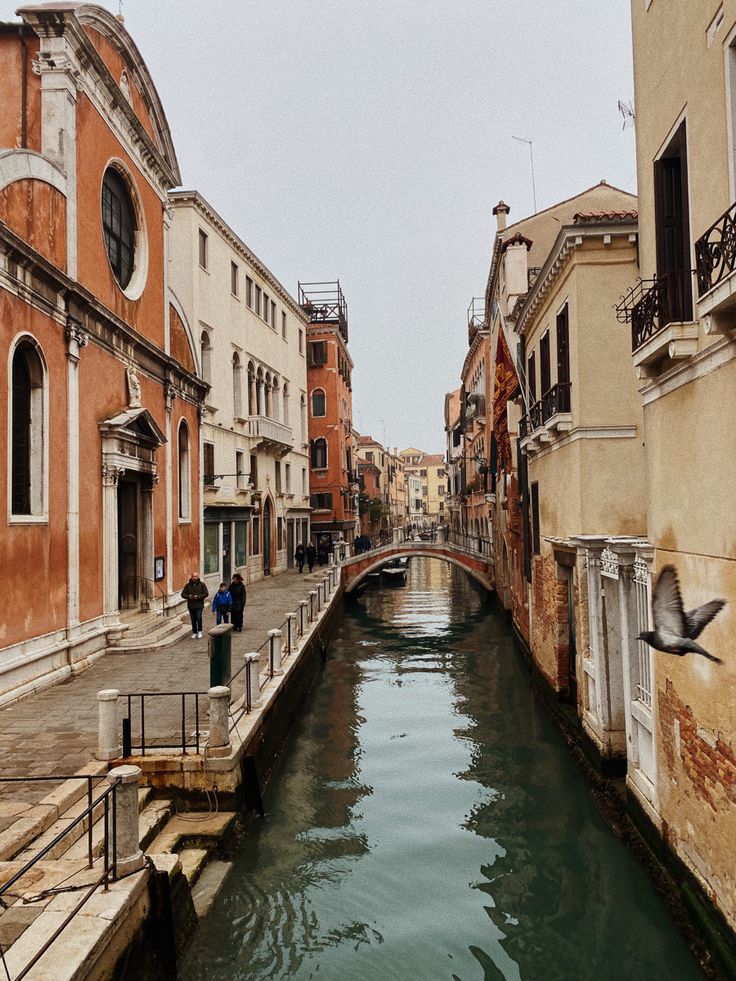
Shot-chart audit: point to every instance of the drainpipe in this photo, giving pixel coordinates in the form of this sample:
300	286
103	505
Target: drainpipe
23	91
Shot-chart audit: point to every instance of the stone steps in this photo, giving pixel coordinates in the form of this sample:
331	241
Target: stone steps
155	634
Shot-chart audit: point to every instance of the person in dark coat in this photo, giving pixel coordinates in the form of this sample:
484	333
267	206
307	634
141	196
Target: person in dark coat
311	556
238	596
299	556
195	593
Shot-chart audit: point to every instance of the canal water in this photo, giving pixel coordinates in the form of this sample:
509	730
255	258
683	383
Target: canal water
426	822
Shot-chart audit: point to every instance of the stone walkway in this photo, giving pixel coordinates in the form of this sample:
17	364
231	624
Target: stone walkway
55	730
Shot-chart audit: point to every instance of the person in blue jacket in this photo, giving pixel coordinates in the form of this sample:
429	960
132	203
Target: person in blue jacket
222	603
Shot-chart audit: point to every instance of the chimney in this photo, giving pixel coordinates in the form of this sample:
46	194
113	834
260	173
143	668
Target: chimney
500	211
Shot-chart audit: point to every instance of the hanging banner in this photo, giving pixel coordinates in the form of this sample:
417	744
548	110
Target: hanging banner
505	387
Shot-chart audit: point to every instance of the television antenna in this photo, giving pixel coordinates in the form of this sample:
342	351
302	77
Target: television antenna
520	139
627	111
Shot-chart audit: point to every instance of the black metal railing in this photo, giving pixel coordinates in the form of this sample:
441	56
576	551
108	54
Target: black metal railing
104	801
651	304
145	580
557	399
473	543
190	711
715	252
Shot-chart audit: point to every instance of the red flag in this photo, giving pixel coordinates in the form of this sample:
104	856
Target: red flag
505	386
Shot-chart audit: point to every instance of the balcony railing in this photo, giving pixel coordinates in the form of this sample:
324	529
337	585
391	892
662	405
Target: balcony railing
557	399
715	252
261	427
654	303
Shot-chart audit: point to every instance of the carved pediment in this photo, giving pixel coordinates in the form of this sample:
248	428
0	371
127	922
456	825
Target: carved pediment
136	425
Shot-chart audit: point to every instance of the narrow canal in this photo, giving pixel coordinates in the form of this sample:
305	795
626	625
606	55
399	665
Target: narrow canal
426	822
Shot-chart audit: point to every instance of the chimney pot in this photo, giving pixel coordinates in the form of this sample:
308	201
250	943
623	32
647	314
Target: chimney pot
501	211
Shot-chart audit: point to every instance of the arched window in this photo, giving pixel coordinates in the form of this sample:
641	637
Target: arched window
267	405
27	431
304	418
319	454
319	403
206	352
286	404
118	225
252	406
185	485
237	387
276	400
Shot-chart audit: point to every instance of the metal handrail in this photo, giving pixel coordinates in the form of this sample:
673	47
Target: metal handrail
183	743
164	608
109	863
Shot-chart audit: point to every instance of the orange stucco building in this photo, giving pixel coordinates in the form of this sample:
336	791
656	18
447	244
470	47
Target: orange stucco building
333	480
101	490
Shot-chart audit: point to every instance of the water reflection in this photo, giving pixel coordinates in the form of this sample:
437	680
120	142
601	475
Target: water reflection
428	823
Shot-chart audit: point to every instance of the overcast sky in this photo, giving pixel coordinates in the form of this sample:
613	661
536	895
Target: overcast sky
368	140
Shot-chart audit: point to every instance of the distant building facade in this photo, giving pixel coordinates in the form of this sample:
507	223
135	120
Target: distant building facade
252	347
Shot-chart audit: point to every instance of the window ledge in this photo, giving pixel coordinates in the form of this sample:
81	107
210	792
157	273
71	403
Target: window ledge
28	519
185	521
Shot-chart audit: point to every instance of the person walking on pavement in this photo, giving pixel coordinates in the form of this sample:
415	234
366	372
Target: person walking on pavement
195	593
222	603
237	592
299	556
311	556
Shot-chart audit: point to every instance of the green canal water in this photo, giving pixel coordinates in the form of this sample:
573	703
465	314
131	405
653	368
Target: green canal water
427	823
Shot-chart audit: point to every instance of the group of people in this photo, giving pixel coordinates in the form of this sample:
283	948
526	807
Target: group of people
308	555
228	601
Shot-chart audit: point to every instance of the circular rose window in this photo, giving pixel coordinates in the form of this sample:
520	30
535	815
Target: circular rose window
119	226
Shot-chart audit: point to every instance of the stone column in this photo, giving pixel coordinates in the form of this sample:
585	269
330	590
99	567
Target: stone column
147	537
254	667
313	604
326	585
128	854
76	339
110	476
169	457
291	632
275	650
219	741
303	617
108	728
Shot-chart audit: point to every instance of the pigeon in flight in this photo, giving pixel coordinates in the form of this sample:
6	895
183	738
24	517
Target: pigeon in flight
674	629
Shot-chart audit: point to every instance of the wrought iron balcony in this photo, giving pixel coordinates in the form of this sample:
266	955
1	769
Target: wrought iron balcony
715	252
652	304
536	416
556	400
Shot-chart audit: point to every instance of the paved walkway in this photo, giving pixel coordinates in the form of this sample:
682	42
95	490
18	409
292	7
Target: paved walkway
55	730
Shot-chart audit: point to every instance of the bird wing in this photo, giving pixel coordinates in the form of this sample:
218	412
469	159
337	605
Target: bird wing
667	603
696	620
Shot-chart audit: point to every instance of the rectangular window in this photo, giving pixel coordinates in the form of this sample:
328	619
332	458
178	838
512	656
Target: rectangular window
240	540
301	341
257	306
563	360
254	471
208	451
672	230
288	477
278	476
202	249
249	291
544	366
440	488
283	325
279	533
265	307
241	479
211	547
234	278
255	545
273	315
317	353
442	506
369	456
531	377
321	502
535	519
422	473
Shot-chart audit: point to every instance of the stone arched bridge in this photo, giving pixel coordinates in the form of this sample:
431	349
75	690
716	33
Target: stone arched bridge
355	570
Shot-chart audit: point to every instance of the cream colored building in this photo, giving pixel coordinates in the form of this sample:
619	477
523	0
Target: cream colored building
251	334
683	342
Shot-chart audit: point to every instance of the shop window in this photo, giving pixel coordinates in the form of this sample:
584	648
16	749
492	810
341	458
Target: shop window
255	546
211	547
240	542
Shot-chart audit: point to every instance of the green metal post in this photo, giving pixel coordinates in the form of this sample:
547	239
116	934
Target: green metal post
219	648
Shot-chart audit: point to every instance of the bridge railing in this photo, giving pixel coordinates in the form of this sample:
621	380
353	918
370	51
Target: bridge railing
474	543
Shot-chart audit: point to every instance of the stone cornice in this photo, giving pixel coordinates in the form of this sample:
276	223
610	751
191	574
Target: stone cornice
101	325
570	238
182	199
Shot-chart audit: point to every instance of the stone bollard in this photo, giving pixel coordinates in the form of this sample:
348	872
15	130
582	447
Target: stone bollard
254	667
219	741
326	586
314	603
128	854
108	727
303	616
335	576
290	633
275	651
